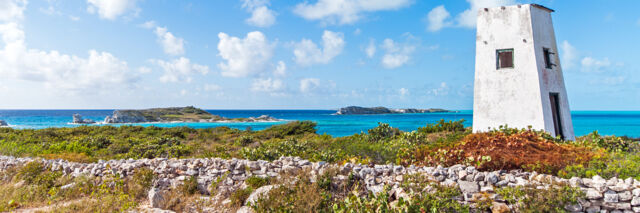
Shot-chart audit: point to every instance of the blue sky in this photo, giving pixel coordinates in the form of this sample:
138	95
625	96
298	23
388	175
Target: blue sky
316	54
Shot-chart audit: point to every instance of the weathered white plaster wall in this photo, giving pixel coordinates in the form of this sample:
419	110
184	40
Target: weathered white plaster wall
519	96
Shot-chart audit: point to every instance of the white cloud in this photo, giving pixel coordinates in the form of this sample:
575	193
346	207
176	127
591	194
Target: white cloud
309	84
437	18
110	9
307	53
179	70
148	25
211	87
396	54
144	70
371	49
357	31
569	55
468	17
281	69
441	90
590	64
244	56
99	70
273	86
261	15
171	44
403	92
345	11
11	10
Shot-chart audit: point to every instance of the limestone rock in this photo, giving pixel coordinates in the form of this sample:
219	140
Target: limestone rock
611	197
77	119
593	194
469	187
3	123
156	198
259	192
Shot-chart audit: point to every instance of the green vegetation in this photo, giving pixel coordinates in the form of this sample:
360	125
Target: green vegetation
531	199
33	185
442	143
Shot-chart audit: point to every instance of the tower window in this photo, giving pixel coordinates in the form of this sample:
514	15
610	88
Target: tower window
504	58
547	59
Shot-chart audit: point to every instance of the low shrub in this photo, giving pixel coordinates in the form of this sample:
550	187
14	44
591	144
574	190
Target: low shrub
289	129
189	186
609	143
507	149
295	194
256	182
606	165
443	126
382	131
532	199
239	196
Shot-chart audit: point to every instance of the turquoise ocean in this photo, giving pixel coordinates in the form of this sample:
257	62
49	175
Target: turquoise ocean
620	123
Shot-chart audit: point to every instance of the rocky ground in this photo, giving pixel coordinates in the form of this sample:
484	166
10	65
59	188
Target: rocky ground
613	195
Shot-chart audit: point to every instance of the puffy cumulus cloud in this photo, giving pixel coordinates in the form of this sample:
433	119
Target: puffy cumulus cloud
180	70
261	15
268	85
281	69
345	11
468	17
99	70
309	84
371	49
396	54
171	44
590	64
437	18
244	56
306	52
11	10
111	9
569	55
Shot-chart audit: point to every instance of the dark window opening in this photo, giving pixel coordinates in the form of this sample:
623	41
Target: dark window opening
505	58
555	111
547	59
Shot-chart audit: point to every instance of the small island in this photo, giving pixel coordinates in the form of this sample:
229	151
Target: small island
356	110
168	115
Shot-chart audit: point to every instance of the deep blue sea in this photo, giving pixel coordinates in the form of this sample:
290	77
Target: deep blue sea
606	122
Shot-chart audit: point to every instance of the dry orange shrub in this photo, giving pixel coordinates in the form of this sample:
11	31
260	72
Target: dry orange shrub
497	150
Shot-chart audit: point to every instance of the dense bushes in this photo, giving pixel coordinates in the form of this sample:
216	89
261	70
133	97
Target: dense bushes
524	149
444	142
443	126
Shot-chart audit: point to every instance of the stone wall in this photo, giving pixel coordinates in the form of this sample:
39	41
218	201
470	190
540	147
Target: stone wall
613	195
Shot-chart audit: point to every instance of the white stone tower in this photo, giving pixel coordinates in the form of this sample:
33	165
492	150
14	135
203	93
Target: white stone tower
518	79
